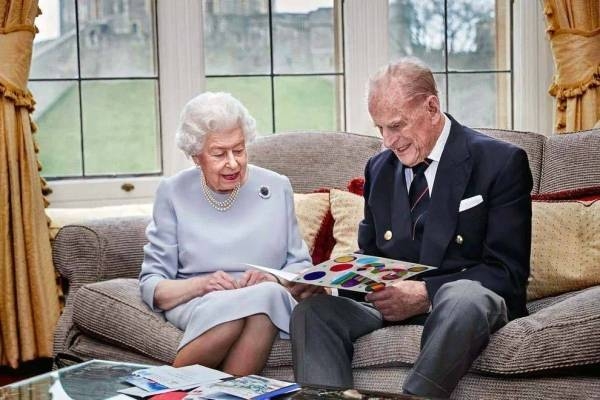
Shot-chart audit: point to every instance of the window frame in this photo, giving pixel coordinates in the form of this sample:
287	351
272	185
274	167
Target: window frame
338	76
181	76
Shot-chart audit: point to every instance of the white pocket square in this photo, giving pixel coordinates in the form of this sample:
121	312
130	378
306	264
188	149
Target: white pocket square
470	202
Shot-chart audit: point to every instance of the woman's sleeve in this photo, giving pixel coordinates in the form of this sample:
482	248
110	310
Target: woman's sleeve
298	257
161	252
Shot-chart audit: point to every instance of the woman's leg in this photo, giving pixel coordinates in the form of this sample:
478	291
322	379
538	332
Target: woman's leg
249	353
210	348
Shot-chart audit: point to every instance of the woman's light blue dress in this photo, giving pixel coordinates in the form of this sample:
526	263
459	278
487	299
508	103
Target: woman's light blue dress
188	237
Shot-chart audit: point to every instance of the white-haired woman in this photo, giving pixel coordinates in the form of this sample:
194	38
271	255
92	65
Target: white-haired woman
207	223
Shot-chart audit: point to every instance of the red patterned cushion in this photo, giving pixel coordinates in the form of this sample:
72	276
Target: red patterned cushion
357	185
324	240
583	194
316	223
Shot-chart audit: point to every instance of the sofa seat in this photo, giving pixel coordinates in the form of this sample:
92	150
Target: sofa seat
550	338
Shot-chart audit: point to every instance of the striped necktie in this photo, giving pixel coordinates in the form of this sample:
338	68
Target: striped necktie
418	199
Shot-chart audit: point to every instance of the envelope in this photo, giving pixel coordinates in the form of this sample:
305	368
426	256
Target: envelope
470	202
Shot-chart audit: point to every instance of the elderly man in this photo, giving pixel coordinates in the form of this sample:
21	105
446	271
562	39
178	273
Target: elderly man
441	195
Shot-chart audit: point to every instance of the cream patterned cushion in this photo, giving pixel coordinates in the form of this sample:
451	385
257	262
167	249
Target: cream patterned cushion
311	210
565	247
347	210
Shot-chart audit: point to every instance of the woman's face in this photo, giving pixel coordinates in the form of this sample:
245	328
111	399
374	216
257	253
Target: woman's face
223	159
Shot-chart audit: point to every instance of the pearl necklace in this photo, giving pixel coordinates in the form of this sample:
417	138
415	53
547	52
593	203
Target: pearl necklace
216	204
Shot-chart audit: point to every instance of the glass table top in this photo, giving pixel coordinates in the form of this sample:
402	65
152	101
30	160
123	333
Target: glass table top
91	380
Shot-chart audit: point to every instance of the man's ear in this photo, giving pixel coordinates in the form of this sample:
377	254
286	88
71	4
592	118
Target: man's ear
432	105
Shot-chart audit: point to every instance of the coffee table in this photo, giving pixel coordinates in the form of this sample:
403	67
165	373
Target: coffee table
100	380
320	393
91	380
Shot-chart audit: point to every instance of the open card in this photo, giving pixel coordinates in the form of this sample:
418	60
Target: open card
357	272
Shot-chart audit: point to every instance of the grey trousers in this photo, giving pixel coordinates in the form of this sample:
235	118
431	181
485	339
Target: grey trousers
464	316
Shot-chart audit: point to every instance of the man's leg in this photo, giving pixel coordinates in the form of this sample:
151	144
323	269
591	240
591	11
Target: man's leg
323	329
464	316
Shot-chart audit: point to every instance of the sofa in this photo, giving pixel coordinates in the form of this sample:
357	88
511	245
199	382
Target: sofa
554	353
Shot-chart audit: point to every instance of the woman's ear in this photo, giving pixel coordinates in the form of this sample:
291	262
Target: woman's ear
196	159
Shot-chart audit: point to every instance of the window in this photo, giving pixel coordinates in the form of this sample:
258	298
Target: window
283	59
100	117
94	76
467	43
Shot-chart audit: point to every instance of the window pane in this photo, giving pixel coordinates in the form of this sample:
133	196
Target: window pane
475	99
253	92
236	37
440	81
57	116
476	38
304	37
116	38
307	103
120	127
416	28
55	46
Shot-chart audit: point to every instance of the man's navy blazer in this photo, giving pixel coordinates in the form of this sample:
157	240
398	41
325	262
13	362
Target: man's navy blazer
489	243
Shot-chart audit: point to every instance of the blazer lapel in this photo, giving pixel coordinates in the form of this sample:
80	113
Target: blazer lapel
399	207
451	180
392	203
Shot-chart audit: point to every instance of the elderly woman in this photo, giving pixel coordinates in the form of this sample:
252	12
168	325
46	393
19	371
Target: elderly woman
207	223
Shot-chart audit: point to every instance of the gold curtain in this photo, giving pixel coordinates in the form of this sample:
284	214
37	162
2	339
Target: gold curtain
28	296
574	32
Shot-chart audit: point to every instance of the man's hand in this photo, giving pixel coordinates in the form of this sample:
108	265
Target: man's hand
402	300
253	276
301	291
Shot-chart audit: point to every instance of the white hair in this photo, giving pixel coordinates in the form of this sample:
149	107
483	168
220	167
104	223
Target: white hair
211	113
409	74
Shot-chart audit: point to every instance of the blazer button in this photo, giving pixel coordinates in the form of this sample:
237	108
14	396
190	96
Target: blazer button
387	235
459	239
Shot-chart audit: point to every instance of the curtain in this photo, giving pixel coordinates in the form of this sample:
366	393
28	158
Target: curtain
28	296
573	27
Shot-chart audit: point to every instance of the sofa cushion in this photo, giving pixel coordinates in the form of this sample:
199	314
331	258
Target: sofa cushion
561	335
565	247
345	156
347	210
113	311
583	194
312	212
571	161
87	347
532	143
60	217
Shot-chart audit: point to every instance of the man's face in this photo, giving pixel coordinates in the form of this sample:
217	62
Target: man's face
409	127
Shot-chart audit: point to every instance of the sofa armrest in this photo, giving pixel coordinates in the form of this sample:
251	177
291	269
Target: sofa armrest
562	335
95	251
100	250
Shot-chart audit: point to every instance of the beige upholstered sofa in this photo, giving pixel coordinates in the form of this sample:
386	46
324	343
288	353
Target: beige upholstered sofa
553	353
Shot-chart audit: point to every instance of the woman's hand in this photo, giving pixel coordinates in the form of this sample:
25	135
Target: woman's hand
219	280
253	276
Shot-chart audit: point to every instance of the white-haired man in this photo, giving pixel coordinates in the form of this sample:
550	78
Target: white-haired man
441	195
